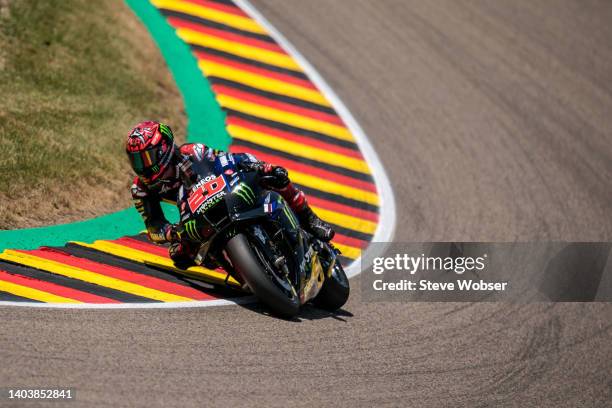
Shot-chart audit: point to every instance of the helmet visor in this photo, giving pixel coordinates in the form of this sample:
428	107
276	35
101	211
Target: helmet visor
146	162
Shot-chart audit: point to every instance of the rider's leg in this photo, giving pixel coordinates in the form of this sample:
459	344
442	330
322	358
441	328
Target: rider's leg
298	203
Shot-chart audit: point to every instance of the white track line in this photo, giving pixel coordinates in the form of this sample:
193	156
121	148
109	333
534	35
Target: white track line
386	222
166	305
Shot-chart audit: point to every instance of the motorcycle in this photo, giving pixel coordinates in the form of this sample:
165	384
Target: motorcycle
253	234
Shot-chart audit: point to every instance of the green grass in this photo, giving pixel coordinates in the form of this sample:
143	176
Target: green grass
75	75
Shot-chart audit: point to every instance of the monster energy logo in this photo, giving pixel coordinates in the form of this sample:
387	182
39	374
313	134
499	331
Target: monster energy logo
245	193
289	215
192	230
165	130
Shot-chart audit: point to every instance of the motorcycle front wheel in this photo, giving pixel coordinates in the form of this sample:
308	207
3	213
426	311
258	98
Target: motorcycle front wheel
261	277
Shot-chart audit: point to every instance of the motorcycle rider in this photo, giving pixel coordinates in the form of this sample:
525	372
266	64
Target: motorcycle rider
162	168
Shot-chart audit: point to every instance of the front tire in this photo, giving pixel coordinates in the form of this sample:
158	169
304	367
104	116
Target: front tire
251	265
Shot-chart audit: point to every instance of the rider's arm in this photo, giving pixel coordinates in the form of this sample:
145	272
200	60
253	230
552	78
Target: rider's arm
148	205
278	176
198	152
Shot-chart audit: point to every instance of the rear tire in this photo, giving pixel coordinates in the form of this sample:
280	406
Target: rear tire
335	291
253	271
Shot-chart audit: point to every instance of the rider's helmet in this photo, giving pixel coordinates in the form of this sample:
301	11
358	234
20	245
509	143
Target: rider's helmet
150	147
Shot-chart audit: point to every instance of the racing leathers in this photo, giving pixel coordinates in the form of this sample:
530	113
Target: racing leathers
147	198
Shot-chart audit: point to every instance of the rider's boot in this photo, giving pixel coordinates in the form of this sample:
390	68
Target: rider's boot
316	226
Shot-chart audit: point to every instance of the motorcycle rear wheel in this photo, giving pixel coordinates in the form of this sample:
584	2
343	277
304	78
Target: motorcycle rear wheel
335	291
256	272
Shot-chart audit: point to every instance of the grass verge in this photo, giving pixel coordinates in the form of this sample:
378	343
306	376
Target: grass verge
74	76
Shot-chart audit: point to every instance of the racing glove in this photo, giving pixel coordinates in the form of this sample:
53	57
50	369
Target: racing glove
183	254
277	177
172	233
256	166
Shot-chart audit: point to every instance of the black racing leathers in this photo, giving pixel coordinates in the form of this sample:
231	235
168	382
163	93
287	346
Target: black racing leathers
148	197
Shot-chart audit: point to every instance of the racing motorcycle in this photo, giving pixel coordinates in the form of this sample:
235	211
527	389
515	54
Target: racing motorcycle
254	235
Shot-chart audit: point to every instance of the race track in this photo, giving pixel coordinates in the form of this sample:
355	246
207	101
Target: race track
493	122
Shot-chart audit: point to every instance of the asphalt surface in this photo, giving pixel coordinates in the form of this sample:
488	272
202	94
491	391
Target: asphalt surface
493	121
